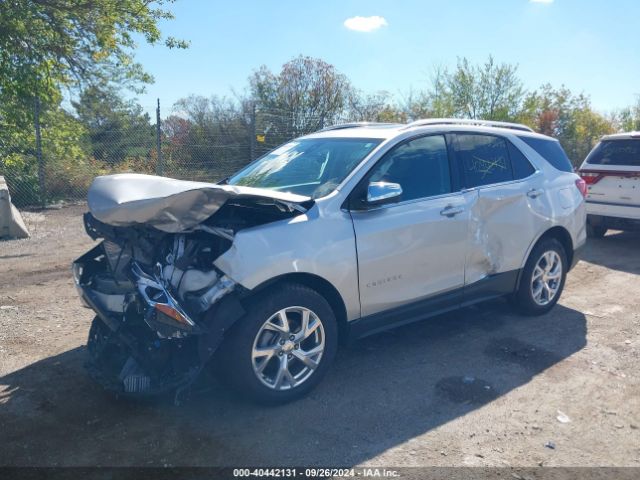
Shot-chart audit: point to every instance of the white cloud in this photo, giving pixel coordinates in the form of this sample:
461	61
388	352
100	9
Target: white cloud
365	24
541	1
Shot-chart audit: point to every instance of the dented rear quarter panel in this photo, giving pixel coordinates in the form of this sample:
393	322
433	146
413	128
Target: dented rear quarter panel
502	222
505	223
565	205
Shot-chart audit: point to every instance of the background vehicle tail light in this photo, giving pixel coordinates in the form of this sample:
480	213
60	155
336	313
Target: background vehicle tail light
582	186
591	178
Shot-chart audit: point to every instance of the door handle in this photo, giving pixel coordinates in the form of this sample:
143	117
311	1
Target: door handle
534	193
451	211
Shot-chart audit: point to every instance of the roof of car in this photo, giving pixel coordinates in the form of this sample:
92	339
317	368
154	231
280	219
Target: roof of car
622	136
382	131
390	130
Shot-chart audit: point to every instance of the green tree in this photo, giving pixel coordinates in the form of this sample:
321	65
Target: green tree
628	119
51	46
570	118
45	44
116	129
489	91
375	107
436	102
208	137
69	169
306	95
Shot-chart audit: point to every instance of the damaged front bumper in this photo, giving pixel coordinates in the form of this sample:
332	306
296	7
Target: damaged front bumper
143	342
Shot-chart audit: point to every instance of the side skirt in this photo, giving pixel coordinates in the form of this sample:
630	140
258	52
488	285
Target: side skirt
488	288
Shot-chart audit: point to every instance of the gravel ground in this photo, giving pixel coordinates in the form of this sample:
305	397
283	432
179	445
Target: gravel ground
478	387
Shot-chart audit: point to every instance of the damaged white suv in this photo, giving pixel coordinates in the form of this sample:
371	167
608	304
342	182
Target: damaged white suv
336	235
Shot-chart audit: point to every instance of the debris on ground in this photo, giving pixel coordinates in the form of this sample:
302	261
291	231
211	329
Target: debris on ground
563	417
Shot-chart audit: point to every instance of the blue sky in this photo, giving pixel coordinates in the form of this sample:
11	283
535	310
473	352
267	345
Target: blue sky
590	46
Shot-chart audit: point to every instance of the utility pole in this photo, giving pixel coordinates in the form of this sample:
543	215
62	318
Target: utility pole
41	173
252	132
159	165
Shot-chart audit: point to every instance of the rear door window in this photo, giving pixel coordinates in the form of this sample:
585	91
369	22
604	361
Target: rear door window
616	152
551	151
522	168
484	159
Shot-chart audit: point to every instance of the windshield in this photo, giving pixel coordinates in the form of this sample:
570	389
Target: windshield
310	167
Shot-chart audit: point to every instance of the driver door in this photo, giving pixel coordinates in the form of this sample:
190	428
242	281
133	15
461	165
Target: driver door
411	251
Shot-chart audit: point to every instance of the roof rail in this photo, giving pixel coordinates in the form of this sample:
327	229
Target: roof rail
462	121
355	125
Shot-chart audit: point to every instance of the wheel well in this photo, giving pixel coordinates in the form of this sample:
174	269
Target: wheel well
562	235
320	285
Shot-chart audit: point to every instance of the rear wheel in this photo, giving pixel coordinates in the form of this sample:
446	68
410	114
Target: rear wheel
542	279
283	346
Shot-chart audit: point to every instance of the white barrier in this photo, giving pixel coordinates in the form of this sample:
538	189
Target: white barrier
11	223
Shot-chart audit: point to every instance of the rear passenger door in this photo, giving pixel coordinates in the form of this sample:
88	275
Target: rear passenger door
503	219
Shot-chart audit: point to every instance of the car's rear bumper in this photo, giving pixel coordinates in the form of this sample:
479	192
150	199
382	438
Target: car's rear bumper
614	223
611	209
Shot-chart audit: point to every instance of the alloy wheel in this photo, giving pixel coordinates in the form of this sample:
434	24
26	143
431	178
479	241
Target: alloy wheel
288	348
546	278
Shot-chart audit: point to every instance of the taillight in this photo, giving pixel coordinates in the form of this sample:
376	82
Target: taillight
582	186
590	178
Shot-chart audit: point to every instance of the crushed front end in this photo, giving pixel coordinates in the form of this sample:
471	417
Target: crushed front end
162	306
155	326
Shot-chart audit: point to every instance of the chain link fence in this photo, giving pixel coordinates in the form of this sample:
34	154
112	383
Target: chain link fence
208	150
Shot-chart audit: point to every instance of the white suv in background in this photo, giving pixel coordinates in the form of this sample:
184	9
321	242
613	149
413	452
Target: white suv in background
612	174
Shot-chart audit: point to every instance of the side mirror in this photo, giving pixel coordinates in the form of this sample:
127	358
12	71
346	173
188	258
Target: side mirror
379	193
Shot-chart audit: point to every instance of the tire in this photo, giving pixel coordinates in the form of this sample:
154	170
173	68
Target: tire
525	299
595	231
262	330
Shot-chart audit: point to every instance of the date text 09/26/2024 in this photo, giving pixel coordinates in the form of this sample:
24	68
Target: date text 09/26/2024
314	473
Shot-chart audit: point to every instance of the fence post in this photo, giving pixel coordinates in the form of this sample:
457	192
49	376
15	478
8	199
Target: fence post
41	172
252	132
159	165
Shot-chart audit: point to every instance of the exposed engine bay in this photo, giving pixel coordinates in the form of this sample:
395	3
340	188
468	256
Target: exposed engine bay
162	306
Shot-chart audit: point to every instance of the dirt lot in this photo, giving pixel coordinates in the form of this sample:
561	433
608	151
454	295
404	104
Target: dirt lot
478	387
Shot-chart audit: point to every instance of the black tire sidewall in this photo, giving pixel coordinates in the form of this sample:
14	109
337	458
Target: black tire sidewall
237	347
524	296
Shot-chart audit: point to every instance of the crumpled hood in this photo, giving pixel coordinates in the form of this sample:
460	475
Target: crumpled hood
167	204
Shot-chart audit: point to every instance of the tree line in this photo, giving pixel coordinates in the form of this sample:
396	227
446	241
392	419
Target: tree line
308	94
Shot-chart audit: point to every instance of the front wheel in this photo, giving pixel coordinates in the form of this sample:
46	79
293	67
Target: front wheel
283	346
543	278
